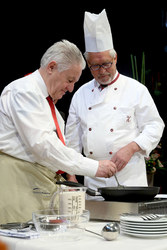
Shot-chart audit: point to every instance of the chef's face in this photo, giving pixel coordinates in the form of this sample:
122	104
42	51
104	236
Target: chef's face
59	83
102	75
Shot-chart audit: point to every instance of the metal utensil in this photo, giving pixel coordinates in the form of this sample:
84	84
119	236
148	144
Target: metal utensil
25	226
153	216
109	231
119	185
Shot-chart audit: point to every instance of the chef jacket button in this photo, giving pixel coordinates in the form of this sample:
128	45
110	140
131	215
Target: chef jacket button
111	130
110	153
92	90
91	153
115	88
90	129
89	108
114	108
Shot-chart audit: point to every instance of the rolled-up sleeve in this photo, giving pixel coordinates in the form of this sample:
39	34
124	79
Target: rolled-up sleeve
149	122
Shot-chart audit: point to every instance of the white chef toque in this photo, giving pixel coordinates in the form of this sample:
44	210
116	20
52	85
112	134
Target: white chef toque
98	36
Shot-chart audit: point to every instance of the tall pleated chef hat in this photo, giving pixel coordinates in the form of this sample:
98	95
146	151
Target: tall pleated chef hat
98	36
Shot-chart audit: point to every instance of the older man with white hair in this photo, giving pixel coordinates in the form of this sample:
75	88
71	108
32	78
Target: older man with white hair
33	153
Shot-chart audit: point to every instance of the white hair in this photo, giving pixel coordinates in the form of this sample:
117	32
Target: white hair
112	53
65	54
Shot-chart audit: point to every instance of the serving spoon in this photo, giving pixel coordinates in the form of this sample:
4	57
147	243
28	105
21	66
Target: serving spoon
119	185
109	231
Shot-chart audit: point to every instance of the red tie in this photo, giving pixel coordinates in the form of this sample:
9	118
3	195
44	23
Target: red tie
52	107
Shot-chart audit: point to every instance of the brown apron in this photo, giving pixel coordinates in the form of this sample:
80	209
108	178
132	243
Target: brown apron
24	187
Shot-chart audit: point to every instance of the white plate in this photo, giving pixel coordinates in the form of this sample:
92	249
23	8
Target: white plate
145	230
143	235
161	196
144	225
141	232
138	219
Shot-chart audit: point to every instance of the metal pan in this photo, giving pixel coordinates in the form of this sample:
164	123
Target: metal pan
128	193
119	193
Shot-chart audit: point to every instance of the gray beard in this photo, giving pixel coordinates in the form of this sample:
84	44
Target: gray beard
105	83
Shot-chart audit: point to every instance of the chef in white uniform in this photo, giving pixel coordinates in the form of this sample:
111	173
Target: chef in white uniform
112	116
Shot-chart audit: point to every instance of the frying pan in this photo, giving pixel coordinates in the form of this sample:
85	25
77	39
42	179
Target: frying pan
122	193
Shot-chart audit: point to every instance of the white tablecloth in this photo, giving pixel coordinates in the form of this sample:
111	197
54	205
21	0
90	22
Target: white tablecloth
88	241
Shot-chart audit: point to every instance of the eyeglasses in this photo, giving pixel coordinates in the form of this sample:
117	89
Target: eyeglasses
98	66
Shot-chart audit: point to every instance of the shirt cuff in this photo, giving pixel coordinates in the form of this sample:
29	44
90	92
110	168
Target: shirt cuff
89	167
145	145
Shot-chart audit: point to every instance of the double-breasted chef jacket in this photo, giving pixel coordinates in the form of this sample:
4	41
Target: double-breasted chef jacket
103	121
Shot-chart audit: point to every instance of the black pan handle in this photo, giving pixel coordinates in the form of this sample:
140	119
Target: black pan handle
92	192
89	191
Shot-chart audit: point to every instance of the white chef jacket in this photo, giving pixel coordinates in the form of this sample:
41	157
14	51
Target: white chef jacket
102	122
27	128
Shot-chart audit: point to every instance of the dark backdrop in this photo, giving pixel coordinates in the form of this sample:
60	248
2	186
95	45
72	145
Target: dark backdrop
27	30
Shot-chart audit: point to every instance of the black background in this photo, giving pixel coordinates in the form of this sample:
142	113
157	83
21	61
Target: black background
27	30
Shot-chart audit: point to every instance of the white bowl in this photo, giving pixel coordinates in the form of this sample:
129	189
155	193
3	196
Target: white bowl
62	226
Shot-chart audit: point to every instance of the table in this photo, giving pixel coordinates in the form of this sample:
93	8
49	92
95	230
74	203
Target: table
88	241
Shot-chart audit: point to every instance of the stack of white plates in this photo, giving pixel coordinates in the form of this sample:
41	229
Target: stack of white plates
135	225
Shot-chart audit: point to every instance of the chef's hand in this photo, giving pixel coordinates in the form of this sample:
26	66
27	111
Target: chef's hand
123	156
106	169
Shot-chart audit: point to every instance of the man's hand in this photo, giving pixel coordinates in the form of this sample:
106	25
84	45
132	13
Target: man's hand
71	178
123	156
106	169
